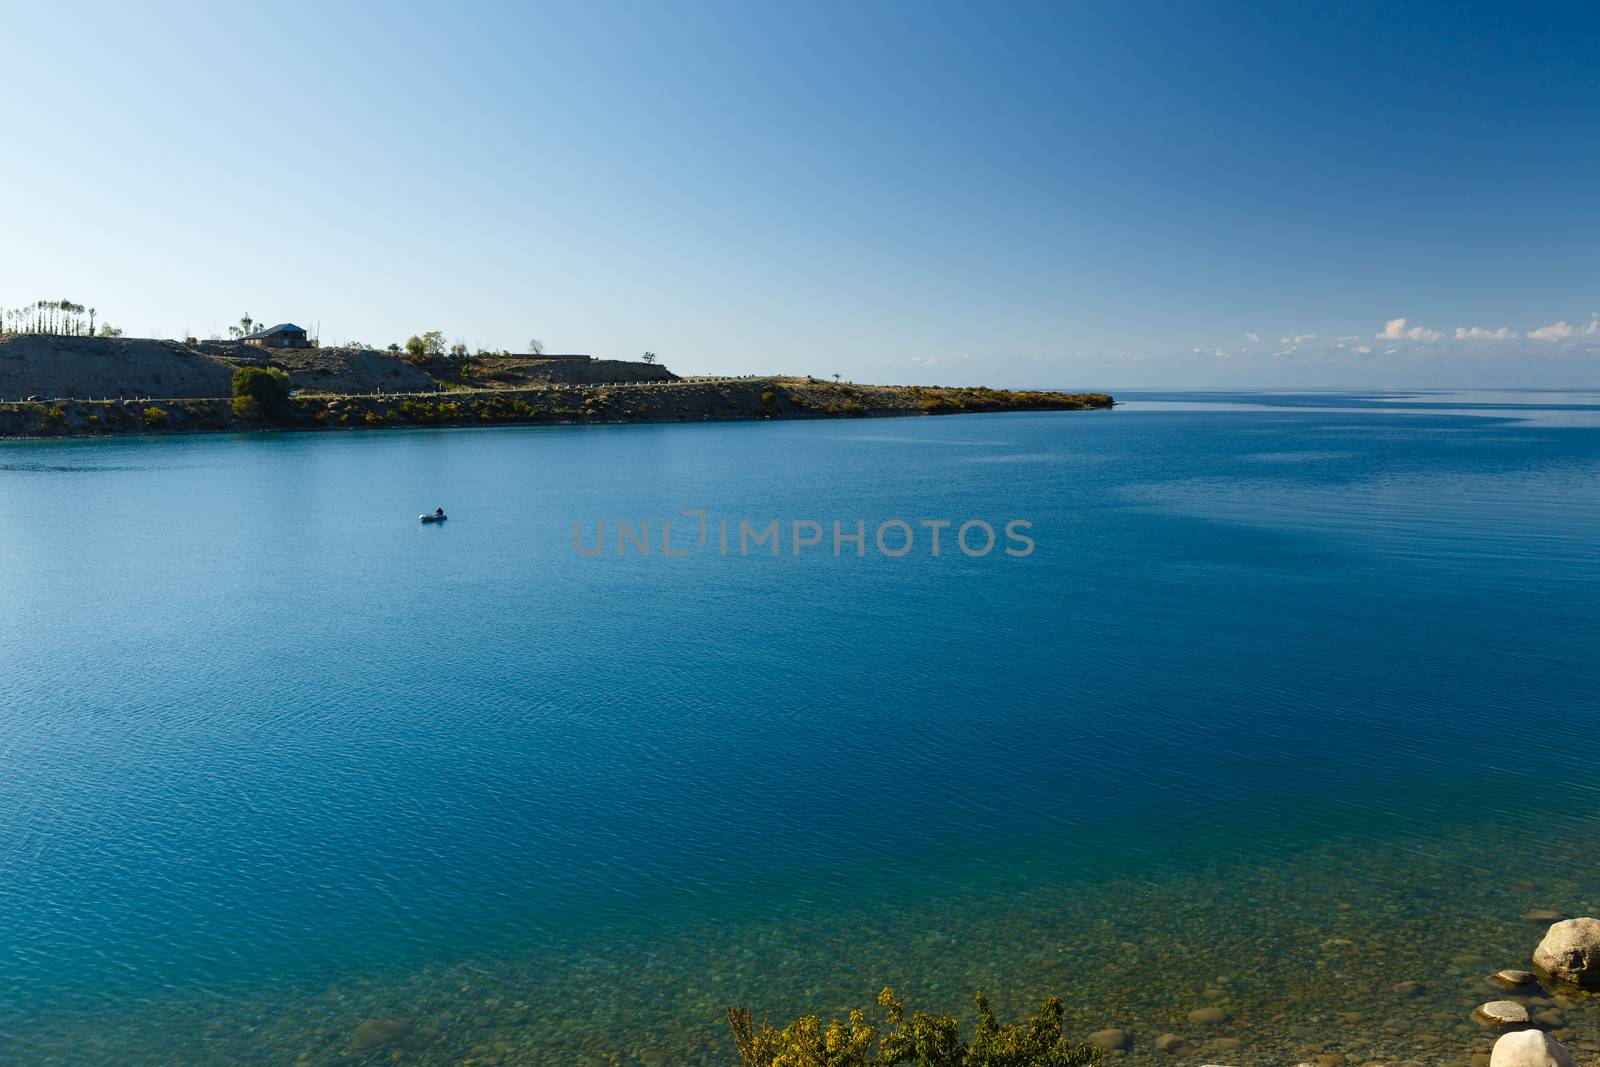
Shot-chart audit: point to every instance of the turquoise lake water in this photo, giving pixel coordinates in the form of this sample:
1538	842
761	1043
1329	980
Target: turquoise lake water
1293	701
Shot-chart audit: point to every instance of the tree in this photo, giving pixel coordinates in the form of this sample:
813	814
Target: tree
429	346
260	392
393	347
246	327
836	377
108	330
65	320
458	350
536	346
649	357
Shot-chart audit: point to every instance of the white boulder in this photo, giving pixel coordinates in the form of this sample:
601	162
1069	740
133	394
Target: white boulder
1529	1048
1571	951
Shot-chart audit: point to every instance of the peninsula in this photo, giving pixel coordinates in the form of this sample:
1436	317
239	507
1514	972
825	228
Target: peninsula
52	385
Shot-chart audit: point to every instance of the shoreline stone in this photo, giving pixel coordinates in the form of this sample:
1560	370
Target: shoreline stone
1571	951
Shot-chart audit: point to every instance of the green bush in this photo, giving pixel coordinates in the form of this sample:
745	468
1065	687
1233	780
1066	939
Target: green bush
154	418
260	392
924	1041
52	419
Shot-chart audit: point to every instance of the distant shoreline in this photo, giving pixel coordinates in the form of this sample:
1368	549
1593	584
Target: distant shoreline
102	386
674	401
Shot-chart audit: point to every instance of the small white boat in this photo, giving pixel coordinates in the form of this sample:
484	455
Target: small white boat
432	518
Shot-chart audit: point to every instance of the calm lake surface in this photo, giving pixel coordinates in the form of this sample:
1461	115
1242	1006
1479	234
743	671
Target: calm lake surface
1294	701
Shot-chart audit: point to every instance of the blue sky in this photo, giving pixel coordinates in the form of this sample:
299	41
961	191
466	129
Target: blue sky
1108	194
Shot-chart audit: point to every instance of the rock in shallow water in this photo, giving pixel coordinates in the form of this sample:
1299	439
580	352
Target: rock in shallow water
1529	1048
1111	1039
1571	951
1511	979
1171	1043
1501	1013
378	1032
1208	1016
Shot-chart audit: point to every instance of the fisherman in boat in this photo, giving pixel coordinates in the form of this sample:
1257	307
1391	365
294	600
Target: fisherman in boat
438	513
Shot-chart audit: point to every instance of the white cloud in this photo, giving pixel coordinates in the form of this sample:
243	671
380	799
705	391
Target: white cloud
1593	329
1478	333
1556	331
1252	336
1363	349
926	361
1395	330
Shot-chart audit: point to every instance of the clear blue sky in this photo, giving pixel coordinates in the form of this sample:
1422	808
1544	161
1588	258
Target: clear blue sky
1066	194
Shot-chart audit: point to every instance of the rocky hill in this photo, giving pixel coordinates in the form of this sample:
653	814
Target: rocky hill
510	372
60	368
48	367
344	370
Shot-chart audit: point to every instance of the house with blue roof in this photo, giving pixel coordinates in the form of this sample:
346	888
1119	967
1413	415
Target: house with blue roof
283	335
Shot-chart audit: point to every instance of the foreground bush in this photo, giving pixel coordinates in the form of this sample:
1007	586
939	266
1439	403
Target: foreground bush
924	1041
